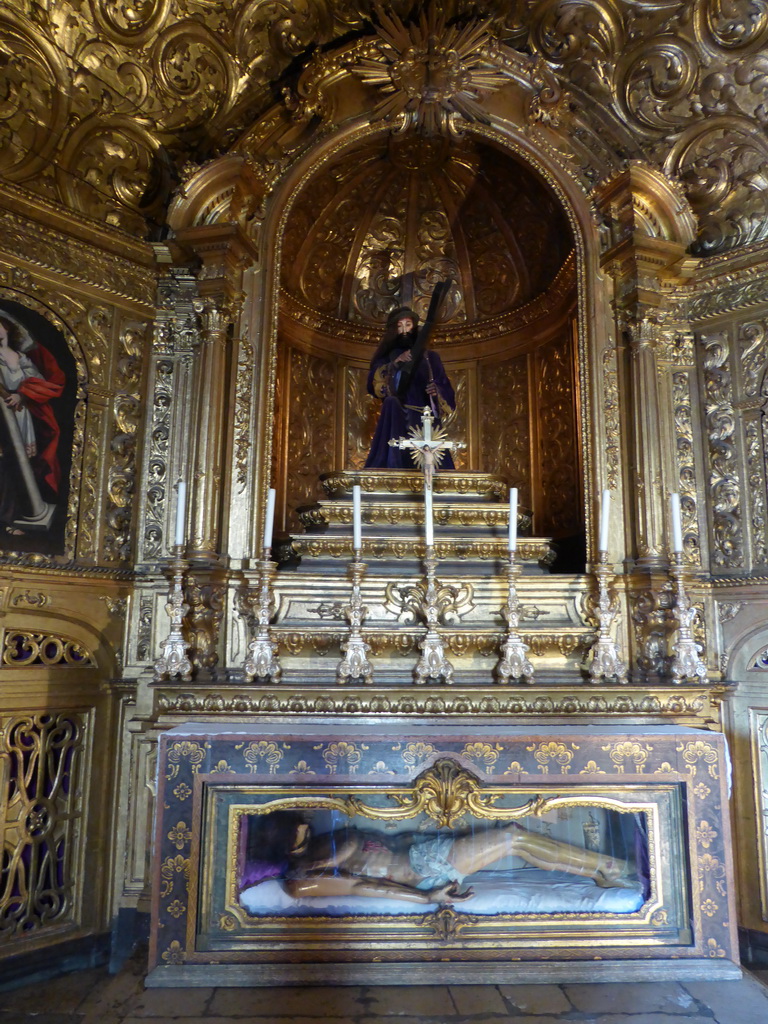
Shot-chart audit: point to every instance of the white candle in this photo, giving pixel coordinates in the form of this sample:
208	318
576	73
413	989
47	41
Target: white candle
605	520
428	529
356	522
181	512
269	518
513	519
677	523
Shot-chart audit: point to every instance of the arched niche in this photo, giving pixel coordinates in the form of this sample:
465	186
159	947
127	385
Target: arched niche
260	195
376	228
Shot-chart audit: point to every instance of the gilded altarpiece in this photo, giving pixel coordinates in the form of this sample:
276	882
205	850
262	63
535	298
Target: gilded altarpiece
126	124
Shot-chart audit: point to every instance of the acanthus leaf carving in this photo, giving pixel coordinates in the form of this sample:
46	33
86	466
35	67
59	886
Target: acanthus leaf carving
724	484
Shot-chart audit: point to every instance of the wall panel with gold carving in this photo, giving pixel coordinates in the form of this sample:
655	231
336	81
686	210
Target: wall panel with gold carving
505	422
361	415
734	360
558	453
312	426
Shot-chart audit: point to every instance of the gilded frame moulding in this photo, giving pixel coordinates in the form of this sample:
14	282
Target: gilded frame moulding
447	793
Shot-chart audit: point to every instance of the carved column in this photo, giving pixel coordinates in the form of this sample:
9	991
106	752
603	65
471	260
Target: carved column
645	268
647	460
224	251
169	388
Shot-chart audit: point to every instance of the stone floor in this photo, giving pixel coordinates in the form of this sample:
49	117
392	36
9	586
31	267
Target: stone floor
95	997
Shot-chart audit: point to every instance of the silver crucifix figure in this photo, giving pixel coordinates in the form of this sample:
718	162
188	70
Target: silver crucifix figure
428	447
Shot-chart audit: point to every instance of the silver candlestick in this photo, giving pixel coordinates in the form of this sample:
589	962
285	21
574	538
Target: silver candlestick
513	664
605	661
355	665
686	663
262	662
174	661
433	663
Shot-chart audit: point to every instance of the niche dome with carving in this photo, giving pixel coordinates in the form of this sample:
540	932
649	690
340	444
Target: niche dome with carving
381	225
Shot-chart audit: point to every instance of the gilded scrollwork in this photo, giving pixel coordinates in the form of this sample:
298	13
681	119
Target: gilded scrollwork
756	480
612	419
686	464
430	72
126	412
124	84
558	454
753	351
361	415
724	484
35	107
310	425
25	649
90	520
42	843
243	402
453	601
505	422
203	620
720	163
43	246
692	703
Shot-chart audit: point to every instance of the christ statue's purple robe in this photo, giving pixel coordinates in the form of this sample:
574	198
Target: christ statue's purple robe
397	416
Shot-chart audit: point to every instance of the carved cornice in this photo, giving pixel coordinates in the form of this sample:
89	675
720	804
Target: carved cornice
721	295
693	704
42	247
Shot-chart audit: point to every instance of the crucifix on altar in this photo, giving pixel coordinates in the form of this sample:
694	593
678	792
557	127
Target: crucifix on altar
428	447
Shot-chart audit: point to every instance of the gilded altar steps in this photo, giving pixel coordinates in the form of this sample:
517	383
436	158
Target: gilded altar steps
397	513
384	482
452	549
471	520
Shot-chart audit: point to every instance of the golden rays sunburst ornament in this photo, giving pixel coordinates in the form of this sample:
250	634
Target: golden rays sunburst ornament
433	73
429	456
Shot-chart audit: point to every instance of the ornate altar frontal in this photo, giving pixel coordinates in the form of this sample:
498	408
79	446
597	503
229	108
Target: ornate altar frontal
590	799
383	488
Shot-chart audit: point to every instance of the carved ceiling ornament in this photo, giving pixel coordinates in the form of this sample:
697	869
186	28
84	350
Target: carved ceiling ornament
141	88
431	71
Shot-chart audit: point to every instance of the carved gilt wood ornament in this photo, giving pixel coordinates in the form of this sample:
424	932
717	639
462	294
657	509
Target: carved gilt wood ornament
218	206
107	104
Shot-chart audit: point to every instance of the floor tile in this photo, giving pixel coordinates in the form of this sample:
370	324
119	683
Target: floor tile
325	1001
476	1000
748	1001
416	1001
536	998
169	1002
651	997
59	995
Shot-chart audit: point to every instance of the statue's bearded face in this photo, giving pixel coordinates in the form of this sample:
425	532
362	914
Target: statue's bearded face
405	325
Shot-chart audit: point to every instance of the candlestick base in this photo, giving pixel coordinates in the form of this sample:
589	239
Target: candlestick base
514	663
686	664
262	662
433	666
173	660
605	661
354	666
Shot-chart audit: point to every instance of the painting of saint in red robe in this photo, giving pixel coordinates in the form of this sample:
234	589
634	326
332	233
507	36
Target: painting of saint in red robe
36	417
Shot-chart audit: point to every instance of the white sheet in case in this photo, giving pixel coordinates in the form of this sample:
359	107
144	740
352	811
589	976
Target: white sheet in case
525	891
